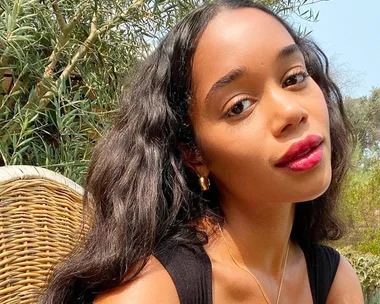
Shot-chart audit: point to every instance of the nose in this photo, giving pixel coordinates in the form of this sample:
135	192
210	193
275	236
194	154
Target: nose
287	111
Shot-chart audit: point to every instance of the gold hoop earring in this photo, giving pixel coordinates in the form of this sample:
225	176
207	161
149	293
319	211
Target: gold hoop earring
204	182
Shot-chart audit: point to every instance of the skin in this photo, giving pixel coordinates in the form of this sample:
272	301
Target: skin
276	105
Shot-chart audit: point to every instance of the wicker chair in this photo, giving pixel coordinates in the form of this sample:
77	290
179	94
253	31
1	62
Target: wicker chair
40	221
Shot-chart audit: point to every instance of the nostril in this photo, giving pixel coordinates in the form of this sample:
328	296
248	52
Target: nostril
294	125
284	128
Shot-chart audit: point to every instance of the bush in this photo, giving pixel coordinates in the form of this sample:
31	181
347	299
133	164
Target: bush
361	206
370	242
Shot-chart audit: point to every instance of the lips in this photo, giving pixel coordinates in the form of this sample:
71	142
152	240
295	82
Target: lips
300	149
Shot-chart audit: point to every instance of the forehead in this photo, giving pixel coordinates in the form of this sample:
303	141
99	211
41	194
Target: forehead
238	37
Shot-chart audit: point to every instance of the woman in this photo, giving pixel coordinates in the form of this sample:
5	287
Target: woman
221	175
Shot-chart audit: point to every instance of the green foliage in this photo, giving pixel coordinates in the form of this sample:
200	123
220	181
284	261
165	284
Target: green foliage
62	64
373	299
367	267
361	204
370	242
364	113
361	196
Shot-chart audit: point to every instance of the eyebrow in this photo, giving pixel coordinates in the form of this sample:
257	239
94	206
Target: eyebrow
288	51
234	74
226	80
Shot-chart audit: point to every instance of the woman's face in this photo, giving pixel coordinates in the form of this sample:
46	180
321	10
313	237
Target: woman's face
252	101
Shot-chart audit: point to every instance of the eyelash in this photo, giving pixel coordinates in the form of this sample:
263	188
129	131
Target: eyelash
293	74
239	101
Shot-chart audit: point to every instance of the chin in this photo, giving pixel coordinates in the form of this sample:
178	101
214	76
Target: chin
313	196
314	190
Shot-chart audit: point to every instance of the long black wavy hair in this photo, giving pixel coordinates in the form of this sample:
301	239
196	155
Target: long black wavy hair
139	191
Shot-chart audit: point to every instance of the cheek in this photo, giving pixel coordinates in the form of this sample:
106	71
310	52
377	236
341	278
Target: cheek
240	168
318	110
234	153
320	103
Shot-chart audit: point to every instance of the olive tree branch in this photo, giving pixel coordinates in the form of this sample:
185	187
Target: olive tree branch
82	49
58	13
42	92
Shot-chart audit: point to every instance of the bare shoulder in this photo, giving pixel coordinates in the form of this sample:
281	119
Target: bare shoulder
346	287
153	285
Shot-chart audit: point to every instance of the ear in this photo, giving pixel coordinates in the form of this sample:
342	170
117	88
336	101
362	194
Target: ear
194	161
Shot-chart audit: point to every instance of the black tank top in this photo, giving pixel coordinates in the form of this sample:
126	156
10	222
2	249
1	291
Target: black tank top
190	270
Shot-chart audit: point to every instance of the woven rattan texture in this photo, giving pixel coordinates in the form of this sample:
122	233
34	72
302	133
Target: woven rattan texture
40	221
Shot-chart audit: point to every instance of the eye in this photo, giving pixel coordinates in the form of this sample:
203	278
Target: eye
239	107
295	79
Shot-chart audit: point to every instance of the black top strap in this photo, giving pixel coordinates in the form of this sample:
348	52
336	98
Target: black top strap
190	270
322	265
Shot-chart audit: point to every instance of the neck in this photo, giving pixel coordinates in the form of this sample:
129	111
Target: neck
258	235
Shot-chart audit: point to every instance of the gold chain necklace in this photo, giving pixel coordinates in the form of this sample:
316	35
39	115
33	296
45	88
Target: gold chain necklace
252	275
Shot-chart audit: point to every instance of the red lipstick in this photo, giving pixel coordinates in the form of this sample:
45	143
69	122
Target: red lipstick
303	155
